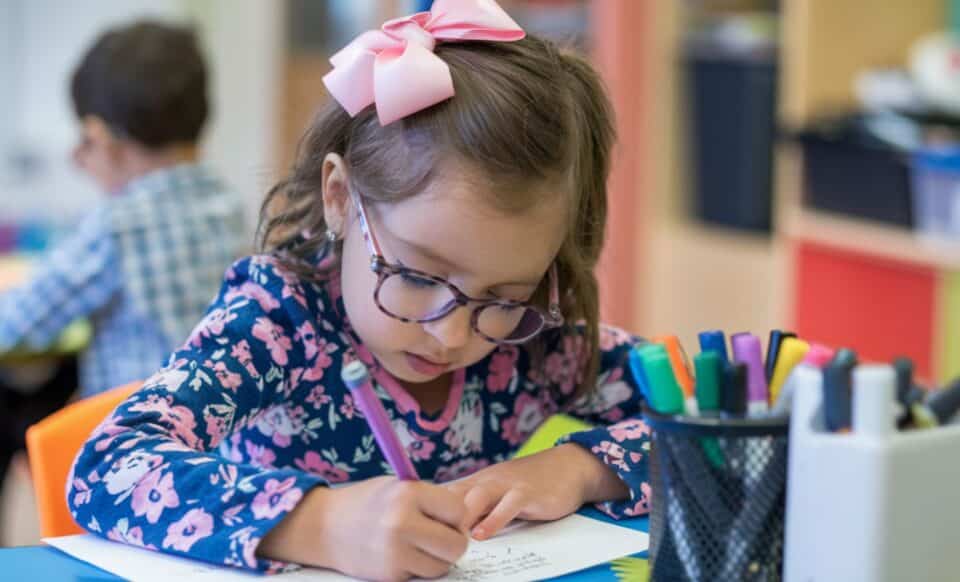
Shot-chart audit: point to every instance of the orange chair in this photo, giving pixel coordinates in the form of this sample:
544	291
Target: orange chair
52	445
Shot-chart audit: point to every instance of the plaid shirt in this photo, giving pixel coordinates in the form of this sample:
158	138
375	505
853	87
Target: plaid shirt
142	267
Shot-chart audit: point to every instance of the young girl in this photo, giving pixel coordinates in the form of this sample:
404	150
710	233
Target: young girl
445	237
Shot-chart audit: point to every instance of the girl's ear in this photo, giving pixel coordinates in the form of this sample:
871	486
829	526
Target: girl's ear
336	193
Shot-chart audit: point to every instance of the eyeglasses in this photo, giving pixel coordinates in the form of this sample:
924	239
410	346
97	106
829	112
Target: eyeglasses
416	297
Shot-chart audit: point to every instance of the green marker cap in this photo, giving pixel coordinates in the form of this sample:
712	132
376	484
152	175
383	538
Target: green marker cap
651	349
844	357
708	380
665	394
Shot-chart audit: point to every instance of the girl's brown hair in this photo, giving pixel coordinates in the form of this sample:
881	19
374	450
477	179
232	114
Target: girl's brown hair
525	114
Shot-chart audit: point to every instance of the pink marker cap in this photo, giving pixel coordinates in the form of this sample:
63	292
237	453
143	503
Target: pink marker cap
819	355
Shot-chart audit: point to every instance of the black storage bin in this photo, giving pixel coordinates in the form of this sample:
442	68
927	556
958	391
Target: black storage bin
849	172
732	127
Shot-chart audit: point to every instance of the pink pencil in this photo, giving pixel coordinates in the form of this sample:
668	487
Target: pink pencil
357	379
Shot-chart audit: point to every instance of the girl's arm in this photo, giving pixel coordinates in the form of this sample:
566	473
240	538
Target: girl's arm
151	473
623	443
607	465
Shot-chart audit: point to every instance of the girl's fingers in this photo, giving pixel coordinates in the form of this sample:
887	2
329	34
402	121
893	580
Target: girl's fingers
442	505
479	501
505	511
439	540
422	565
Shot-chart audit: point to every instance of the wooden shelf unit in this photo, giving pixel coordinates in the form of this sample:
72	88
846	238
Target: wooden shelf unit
870	238
882	290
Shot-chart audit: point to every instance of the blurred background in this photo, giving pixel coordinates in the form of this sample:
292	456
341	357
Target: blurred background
788	164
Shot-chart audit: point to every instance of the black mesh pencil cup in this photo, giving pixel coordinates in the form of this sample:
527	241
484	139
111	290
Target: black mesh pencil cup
719	498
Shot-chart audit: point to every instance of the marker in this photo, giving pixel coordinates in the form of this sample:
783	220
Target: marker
709	378
846	357
903	369
651	349
773	349
665	394
733	402
792	350
837	391
733	397
714	341
357	379
873	390
681	370
939	408
746	349
945	402
819	355
636	367
637	355
709	373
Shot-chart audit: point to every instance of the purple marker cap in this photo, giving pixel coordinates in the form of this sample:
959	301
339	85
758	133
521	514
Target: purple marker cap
746	349
357	379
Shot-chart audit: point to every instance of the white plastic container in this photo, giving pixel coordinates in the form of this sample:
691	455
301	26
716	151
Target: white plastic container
871	505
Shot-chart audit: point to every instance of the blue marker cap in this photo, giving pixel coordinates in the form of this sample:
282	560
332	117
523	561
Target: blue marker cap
714	341
635	361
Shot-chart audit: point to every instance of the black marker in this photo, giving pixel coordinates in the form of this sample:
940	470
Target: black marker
837	391
939	408
733	397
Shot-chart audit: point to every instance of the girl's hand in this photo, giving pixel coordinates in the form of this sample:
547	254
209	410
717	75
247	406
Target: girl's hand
379	529
545	486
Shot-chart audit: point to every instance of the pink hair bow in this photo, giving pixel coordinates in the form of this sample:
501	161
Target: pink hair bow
396	68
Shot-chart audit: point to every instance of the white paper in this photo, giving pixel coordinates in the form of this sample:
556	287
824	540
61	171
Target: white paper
140	565
544	550
520	553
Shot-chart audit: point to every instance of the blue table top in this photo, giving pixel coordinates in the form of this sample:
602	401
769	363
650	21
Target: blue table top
47	563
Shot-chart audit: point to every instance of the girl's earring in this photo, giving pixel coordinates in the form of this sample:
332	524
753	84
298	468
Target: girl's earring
331	236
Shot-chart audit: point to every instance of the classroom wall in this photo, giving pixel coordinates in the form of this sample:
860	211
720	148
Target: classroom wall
9	40
663	272
244	39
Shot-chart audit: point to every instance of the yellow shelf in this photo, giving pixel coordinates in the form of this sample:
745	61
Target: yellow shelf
870	238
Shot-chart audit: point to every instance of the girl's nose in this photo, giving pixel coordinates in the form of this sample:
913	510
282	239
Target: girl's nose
452	331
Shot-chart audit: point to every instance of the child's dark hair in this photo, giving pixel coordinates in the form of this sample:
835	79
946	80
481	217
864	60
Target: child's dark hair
524	113
147	81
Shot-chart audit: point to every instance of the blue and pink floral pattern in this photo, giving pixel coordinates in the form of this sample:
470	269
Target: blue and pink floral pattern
250	414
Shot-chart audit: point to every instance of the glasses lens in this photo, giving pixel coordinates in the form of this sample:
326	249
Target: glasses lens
414	297
512	323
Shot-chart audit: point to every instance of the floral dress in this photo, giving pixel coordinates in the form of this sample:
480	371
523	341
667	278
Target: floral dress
251	413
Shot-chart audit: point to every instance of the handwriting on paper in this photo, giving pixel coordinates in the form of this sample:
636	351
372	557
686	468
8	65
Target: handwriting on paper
482	564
